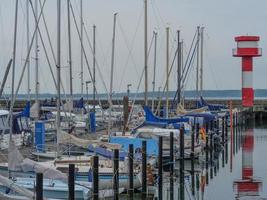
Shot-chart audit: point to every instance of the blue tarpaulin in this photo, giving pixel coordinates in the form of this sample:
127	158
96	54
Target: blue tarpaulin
212	107
152	144
40	136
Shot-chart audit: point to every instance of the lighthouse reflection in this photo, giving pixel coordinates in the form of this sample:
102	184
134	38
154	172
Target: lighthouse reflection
248	186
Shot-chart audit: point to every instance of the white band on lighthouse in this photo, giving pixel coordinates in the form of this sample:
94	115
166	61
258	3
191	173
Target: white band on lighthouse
247	44
247	79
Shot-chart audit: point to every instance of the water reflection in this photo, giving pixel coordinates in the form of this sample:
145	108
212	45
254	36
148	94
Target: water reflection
211	177
248	186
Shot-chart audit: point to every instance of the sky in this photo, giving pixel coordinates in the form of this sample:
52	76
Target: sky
223	20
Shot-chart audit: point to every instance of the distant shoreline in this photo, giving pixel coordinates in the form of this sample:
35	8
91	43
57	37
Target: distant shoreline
260	94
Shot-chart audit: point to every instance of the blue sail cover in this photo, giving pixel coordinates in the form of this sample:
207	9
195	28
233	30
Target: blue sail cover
25	112
212	107
79	103
106	152
18	123
150	117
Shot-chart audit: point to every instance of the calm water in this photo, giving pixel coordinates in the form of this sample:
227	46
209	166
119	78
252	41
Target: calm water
250	159
225	177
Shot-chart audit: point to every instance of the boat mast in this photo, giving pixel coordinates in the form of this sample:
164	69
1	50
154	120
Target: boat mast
154	71
197	68
13	71
58	70
94	62
145	53
28	47
201	59
70	54
167	71
81	27
111	74
179	68
37	84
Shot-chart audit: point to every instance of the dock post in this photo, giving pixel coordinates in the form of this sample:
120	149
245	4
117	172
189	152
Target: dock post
192	142
211	126
217	126
233	119
131	183
182	163
95	178
193	176
223	124
197	134
226	128
207	158
144	170
197	184
71	180
211	155
160	169
171	166
116	174
39	186
125	113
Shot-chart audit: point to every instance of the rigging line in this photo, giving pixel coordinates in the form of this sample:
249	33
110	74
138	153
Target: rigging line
97	66
48	36
87	38
45	49
208	64
129	47
28	54
25	64
159	14
168	74
190	70
136	93
23	31
130	54
190	52
100	47
85	55
190	62
138	87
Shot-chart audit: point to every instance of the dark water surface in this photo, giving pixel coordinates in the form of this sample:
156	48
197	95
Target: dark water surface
244	175
239	171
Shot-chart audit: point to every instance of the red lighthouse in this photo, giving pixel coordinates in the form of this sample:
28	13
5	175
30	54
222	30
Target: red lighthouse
247	48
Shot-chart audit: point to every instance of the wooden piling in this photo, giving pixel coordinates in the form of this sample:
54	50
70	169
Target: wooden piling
160	169
226	128
131	182
192	154
95	178
193	177
39	186
171	166
71	179
211	155
223	124
144	174
182	164
116	174
125	113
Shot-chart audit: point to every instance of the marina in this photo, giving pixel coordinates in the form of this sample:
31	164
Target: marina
136	112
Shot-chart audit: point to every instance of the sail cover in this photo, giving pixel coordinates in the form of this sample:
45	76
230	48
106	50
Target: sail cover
68	138
16	162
